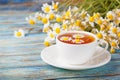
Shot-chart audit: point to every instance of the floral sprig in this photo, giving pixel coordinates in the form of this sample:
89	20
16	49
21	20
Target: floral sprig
56	21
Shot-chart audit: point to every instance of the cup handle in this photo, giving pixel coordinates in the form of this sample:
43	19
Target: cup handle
100	42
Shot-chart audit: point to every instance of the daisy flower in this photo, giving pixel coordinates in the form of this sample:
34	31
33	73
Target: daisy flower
112	50
56	28
55	5
58	18
19	34
114	43
31	20
51	35
83	14
47	42
114	29
65	38
46	8
64	25
46	28
45	19
38	15
78	23
99	21
51	16
111	15
68	13
96	15
100	34
90	20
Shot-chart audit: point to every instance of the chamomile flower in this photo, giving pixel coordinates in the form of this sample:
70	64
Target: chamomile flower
51	16
96	15
47	42
114	29
100	34
55	5
90	20
83	14
68	13
19	34
65	38
78	23
64	25
38	15
77	40
111	15
31	20
112	50
45	19
58	18
99	21
51	35
114	43
56	28
46	8
46	28
117	11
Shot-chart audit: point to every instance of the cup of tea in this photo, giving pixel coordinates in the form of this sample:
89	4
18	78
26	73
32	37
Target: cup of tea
77	47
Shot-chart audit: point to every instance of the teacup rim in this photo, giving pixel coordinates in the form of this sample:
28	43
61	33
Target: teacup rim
96	39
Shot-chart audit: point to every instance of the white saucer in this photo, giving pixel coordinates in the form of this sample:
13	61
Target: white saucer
49	55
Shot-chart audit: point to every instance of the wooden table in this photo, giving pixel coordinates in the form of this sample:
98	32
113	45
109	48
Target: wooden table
20	57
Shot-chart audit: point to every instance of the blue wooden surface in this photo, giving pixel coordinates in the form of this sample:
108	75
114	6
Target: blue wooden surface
20	58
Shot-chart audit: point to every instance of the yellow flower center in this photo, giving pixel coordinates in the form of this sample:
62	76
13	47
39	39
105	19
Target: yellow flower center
112	50
18	34
68	13
52	35
65	38
57	30
91	19
117	21
64	26
47	9
102	27
113	44
99	35
47	43
96	16
119	14
51	16
78	23
31	21
77	40
110	16
118	34
46	29
39	17
44	20
55	6
83	15
58	19
108	28
114	30
99	22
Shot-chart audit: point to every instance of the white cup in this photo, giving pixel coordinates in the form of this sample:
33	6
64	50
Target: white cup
80	53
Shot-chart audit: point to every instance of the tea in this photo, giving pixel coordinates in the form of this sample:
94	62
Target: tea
76	38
